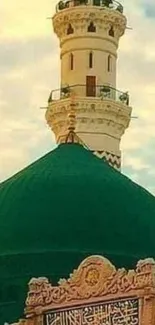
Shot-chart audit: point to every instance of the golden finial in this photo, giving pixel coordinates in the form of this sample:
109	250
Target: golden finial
71	136
72	114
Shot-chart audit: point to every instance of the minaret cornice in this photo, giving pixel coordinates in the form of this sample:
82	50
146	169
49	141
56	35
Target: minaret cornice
80	16
84	48
92	115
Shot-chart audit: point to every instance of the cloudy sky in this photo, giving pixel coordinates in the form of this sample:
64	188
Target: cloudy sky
29	69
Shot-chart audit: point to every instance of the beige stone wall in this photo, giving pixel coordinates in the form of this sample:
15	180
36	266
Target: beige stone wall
80	48
81	42
81	59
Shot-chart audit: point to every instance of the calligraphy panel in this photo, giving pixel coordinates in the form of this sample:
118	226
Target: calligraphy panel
118	312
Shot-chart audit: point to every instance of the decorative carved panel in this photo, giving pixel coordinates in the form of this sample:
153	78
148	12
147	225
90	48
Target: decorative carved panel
95	294
80	17
96	280
103	114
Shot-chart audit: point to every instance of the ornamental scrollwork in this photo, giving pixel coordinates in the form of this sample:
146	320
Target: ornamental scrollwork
80	18
104	113
96	277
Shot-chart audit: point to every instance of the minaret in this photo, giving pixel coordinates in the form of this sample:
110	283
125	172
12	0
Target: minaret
89	33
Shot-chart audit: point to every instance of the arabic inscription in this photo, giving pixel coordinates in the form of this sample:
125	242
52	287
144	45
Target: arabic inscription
123	312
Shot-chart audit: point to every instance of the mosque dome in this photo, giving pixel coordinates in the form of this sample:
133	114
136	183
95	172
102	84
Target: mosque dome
68	205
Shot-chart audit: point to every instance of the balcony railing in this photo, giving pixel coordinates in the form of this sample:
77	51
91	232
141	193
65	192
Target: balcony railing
102	92
111	4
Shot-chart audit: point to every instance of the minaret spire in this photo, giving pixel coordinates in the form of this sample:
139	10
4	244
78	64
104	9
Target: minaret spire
89	33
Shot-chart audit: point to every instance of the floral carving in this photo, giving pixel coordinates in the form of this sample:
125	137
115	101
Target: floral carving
81	17
92	277
96	277
106	114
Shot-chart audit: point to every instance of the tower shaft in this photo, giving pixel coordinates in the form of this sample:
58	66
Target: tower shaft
89	35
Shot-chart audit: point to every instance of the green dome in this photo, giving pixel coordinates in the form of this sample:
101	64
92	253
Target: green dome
66	206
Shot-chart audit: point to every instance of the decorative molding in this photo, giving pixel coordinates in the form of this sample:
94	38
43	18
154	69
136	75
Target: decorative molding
96	279
95	115
80	17
94	118
91	36
112	159
87	49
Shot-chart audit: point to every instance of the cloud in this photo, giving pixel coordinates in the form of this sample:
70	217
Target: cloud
27	65
24	53
149	8
137	163
25	19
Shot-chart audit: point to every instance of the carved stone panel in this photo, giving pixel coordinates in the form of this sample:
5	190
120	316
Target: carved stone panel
95	280
95	294
125	311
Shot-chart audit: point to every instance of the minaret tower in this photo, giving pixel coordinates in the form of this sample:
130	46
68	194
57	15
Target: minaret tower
89	33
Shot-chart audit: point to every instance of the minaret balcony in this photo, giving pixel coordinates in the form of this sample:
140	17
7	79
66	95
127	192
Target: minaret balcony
101	92
102	115
104	4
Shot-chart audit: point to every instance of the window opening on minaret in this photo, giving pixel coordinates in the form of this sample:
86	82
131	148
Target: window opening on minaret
70	29
90	60
109	63
91	86
91	27
111	31
71	61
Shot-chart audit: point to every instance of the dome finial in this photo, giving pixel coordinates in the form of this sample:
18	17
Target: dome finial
72	136
72	114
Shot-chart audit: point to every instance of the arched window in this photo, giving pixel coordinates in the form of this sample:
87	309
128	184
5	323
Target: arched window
111	32
90	59
71	61
109	63
91	27
70	29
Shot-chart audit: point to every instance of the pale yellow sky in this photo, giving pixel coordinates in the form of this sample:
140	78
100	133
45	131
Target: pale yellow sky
24	19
